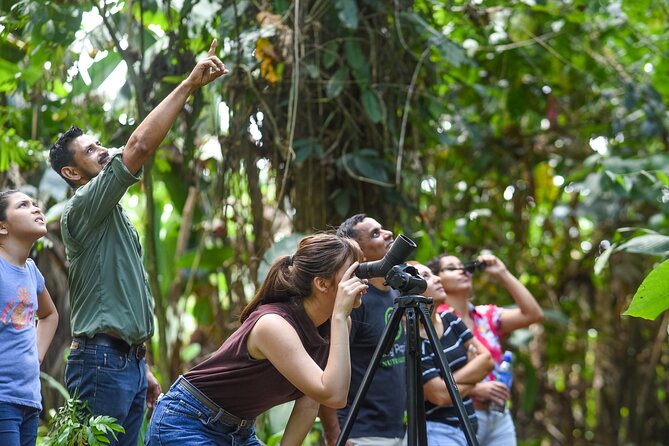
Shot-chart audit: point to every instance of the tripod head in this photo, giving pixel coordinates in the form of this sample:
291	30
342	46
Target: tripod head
405	279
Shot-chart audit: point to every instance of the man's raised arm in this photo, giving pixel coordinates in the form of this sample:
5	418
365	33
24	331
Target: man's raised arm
152	130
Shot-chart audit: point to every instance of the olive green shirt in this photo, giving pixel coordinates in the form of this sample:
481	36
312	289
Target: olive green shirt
109	290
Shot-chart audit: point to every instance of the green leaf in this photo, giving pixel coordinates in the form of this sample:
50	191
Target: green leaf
202	311
357	61
368	164
603	259
312	71
372	106
348	13
307	147
190	352
330	54
450	51
652	297
336	84
101	69
342	201
650	244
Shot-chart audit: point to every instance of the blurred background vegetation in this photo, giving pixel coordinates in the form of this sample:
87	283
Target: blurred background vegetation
536	129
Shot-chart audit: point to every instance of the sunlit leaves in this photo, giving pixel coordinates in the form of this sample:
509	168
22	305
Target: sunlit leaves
101	69
8	73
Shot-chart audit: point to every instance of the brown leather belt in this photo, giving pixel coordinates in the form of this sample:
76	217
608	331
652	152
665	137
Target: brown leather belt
138	350
224	416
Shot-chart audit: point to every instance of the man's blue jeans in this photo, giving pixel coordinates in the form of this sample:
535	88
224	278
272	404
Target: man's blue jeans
18	425
113	382
181	418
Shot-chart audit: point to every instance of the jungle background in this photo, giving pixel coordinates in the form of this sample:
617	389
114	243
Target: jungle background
536	129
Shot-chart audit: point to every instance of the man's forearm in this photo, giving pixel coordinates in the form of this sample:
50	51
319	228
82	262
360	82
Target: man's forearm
152	130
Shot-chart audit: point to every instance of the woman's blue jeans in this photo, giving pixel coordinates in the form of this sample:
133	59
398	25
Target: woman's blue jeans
182	418
495	429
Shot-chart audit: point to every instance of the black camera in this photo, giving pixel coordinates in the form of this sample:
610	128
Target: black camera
405	278
475	266
400	250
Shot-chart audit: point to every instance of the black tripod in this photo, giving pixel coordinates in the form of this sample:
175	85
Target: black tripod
406	280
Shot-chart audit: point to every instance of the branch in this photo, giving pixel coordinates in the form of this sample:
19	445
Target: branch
405	117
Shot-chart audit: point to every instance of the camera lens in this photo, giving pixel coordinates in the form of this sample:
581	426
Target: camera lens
474	266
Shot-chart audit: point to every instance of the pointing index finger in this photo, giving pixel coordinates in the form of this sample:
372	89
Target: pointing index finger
349	272
212	48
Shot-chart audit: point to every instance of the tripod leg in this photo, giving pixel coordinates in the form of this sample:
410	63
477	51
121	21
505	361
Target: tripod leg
451	386
389	333
416	434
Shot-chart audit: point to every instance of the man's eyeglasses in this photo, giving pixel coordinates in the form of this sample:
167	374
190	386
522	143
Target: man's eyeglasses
470	267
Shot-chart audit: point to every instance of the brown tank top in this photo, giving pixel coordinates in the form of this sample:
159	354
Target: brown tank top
247	387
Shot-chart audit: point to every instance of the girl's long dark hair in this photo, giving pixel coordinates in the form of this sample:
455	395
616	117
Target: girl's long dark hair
290	277
4	202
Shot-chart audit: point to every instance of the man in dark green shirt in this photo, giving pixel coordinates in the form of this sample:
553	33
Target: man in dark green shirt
110	299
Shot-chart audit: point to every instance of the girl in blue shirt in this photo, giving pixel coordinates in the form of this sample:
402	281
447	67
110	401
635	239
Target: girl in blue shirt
23	297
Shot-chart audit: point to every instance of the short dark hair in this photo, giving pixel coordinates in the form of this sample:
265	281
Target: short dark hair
4	202
435	263
60	154
347	228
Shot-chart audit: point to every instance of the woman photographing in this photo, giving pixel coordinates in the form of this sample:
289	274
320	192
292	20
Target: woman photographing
292	345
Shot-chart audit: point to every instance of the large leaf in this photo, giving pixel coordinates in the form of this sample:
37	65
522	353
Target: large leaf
652	297
651	244
101	69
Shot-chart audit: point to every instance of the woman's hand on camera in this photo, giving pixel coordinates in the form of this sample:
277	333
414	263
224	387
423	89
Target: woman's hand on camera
349	291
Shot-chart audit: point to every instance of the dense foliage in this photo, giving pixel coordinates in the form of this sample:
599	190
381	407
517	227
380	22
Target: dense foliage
535	129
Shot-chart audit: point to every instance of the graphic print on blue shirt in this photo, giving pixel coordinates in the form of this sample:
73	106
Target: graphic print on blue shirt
20	312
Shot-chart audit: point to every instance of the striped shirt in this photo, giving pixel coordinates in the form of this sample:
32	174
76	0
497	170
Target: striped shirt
453	345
